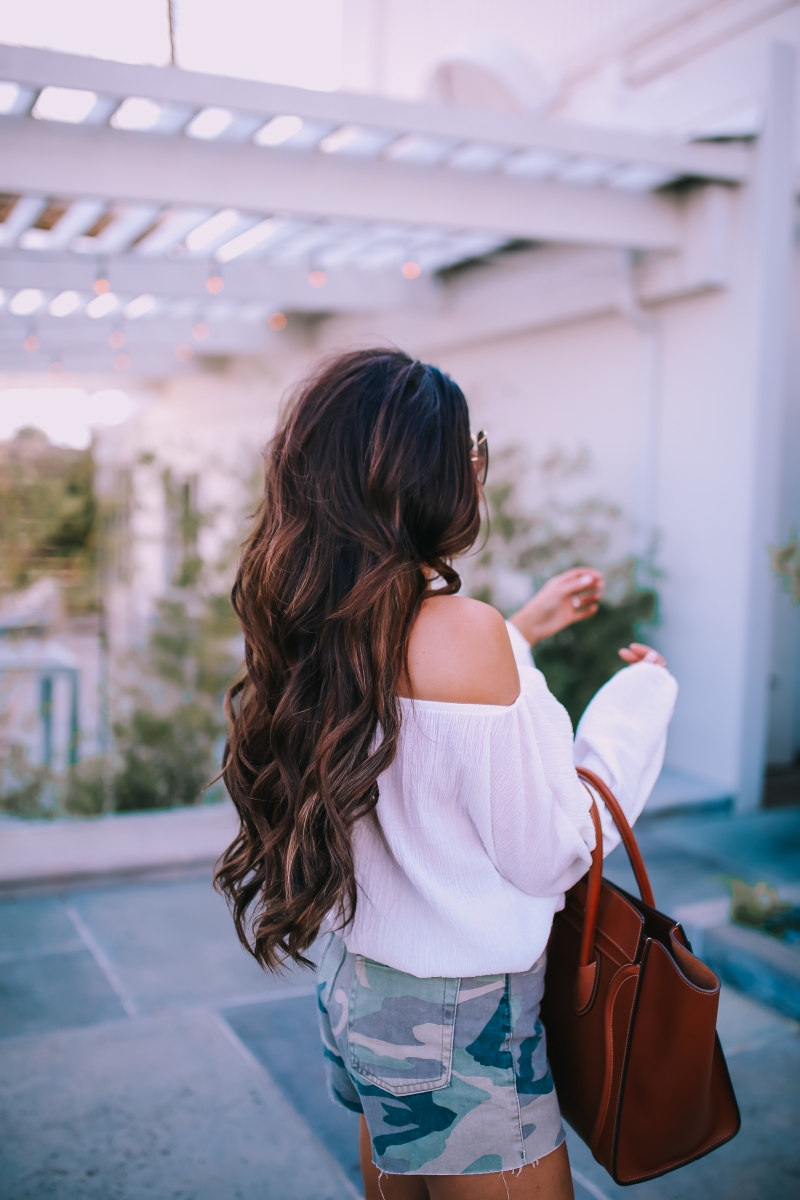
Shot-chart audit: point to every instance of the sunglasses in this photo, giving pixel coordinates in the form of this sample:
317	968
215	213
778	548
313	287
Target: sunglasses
479	453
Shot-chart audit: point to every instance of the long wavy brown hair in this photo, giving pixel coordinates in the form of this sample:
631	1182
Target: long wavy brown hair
368	481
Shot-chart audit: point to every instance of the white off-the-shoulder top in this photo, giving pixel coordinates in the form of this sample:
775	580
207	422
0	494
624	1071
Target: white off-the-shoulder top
482	823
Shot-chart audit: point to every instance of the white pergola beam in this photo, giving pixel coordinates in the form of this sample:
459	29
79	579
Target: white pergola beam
347	289
98	161
37	68
159	333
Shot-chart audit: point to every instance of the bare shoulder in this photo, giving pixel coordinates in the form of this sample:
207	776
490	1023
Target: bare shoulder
460	653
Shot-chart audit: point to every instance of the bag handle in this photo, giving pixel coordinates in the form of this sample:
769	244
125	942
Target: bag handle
586	980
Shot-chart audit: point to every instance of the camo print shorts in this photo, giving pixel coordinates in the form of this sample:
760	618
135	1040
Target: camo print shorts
450	1074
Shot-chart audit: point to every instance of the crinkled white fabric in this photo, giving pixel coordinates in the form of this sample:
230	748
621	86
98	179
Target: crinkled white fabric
482	823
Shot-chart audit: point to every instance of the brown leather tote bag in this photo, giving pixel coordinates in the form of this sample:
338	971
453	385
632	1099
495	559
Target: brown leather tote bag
631	1016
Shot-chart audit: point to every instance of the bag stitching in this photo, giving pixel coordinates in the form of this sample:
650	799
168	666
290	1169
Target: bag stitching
624	1073
626	1043
600	1124
510	1042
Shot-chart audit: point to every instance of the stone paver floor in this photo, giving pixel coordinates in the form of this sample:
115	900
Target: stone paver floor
144	1055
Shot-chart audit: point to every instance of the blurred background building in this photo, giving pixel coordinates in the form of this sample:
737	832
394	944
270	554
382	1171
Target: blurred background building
584	212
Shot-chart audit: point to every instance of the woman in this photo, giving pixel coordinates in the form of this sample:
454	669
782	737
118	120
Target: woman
406	781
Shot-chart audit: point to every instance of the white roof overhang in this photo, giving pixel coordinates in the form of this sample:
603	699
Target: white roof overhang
364	185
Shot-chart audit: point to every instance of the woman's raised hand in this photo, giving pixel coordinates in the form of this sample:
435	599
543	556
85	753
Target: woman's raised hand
566	598
637	652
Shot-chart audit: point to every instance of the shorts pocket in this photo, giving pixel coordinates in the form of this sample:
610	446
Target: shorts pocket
400	1028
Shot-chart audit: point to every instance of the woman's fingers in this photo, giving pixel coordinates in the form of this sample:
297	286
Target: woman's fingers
638	652
584	588
579	579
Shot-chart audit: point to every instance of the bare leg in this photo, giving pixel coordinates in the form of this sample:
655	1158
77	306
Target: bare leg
549	1179
378	1186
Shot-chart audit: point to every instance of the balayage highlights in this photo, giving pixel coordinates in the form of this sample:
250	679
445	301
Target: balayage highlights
368	481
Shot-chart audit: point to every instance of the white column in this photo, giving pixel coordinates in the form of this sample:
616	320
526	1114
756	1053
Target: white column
769	278
784	714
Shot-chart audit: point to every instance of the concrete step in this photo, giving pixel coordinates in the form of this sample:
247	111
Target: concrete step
79	848
760	965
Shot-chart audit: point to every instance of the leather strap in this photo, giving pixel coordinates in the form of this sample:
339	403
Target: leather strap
626	833
586	978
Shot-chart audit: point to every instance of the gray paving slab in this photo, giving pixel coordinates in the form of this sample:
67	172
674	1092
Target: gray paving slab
744	1024
149	1109
283	1036
54	991
36	925
173	943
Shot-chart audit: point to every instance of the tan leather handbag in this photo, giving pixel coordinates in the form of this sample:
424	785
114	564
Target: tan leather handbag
631	1016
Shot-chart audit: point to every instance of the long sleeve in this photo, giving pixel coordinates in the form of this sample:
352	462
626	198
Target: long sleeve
622	737
541	831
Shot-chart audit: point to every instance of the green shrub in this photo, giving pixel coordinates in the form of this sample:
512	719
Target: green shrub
26	790
48	518
87	786
165	760
580	659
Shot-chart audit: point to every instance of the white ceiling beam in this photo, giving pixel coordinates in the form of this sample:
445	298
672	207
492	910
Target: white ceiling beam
37	68
85	160
287	287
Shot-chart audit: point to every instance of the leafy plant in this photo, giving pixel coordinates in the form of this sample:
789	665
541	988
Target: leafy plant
786	564
25	789
48	517
166	760
754	905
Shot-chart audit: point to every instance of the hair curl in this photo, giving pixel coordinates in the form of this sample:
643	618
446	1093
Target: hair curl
368	481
